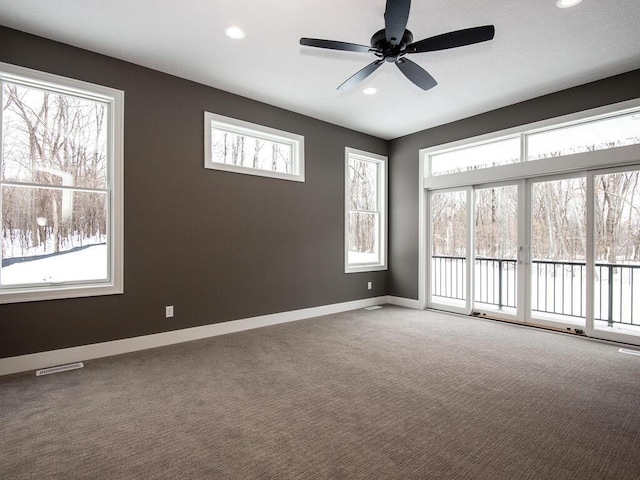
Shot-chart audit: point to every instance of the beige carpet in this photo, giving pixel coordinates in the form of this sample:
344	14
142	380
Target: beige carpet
390	393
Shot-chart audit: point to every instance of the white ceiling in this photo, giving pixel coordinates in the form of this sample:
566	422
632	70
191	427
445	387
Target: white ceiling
538	49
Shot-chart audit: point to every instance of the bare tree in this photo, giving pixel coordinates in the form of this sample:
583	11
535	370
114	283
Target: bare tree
362	190
256	152
56	142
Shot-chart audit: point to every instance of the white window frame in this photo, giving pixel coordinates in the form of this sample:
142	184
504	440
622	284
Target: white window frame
599	159
114	99
381	196
252	130
532	168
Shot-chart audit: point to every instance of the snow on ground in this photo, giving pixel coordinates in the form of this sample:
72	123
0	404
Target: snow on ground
362	258
87	264
12	247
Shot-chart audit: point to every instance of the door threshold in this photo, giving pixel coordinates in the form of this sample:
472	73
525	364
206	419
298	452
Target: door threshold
572	331
578	332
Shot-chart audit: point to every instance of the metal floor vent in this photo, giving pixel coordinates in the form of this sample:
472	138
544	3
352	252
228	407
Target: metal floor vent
58	369
630	352
375	307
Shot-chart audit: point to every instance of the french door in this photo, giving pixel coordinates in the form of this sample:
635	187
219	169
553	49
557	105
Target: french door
614	281
556	252
475	256
561	251
450	240
498	263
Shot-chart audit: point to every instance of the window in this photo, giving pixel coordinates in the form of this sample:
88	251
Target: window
584	132
242	147
60	187
484	155
365	211
603	134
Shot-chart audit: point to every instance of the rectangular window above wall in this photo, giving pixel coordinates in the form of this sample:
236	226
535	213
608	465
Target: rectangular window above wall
365	211
60	187
562	141
236	146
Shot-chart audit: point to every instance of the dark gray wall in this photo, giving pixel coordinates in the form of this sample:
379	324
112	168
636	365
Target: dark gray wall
403	154
222	246
218	246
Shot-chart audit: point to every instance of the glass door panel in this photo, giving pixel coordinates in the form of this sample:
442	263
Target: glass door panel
538	251
558	251
617	253
448	250
496	249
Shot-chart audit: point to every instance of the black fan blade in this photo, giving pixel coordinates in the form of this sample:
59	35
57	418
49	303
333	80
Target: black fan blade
361	75
416	74
396	15
459	38
334	45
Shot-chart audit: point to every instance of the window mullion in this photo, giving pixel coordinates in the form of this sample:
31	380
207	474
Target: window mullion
54	186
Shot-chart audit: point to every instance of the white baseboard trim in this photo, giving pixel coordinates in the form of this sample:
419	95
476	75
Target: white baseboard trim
34	361
404	302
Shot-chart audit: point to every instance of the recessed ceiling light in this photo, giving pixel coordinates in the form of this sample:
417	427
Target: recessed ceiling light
234	32
369	91
567	3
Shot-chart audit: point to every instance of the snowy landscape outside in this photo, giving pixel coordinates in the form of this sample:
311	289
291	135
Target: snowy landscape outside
363	214
557	248
54	195
246	151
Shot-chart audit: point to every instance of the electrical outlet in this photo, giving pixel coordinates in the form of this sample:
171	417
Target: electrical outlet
369	285
168	311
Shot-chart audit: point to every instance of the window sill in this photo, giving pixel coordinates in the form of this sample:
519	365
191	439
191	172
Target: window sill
61	292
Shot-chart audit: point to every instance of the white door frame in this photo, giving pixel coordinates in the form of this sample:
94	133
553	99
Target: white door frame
427	256
521	260
529	316
524	313
591	260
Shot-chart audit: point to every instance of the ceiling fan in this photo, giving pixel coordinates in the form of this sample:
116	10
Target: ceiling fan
394	41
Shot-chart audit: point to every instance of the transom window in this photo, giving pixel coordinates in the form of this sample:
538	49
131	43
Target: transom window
587	136
60	187
365	211
590	133
236	146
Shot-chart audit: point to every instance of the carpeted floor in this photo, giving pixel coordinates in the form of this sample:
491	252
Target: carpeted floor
390	393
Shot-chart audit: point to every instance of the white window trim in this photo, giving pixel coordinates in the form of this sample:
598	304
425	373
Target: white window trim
382	197
240	127
115	148
614	157
566	163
